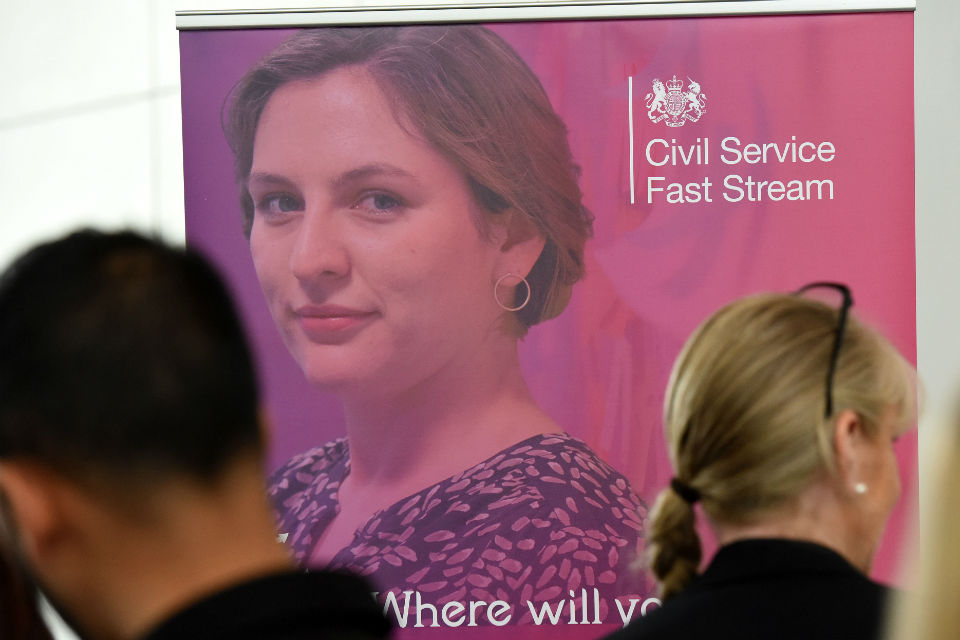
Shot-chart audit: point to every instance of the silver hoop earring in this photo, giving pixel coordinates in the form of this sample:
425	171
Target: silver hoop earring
496	292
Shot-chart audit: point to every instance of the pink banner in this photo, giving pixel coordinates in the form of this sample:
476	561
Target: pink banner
720	156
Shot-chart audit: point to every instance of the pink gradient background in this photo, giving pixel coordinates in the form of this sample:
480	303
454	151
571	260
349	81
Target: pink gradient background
654	272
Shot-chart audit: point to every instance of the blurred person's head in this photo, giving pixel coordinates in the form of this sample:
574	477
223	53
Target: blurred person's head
465	94
771	444
130	440
121	357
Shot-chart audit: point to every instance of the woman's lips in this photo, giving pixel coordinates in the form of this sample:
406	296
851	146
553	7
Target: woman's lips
332	324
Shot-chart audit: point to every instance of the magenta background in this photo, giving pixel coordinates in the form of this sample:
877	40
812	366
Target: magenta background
654	272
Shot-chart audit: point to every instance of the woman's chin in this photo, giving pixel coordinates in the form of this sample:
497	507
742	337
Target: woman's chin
329	381
325	366
343	381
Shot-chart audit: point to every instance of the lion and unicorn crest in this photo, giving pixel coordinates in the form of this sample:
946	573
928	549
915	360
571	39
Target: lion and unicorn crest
674	104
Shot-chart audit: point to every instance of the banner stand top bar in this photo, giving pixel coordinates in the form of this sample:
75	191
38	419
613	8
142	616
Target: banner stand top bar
519	11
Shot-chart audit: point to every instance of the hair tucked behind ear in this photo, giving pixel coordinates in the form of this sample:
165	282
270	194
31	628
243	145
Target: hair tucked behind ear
744	414
674	543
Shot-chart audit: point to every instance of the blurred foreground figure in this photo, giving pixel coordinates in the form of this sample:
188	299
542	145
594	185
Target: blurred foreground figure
780	416
19	617
929	610
130	453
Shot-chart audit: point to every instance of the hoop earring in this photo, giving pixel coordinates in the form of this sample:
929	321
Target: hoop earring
496	292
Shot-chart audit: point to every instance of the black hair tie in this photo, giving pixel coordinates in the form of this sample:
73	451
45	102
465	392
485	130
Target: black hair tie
685	491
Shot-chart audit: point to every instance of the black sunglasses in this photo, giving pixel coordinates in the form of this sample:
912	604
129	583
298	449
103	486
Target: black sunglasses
844	291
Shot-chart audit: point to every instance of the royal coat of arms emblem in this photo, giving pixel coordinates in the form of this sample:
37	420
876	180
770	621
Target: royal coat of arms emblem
673	104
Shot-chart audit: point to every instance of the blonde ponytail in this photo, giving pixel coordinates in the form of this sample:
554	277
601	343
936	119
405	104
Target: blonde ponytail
675	550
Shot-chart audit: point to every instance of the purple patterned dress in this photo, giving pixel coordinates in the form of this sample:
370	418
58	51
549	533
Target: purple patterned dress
535	522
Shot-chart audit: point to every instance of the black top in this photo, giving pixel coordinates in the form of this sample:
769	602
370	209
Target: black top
781	589
287	606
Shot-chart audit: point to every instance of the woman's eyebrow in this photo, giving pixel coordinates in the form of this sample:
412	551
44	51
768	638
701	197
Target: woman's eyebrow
371	170
262	177
353	175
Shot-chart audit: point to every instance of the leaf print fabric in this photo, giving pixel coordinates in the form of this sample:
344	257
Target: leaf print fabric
535	522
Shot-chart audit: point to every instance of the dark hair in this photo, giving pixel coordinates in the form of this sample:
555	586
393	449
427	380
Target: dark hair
19	617
123	358
470	95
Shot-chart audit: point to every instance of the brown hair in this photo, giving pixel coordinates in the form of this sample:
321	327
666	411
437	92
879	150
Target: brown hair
470	95
744	414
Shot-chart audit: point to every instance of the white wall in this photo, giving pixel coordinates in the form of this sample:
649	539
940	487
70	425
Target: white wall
90	135
937	55
89	121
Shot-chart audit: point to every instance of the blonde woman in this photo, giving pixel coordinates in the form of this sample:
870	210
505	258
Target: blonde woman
780	416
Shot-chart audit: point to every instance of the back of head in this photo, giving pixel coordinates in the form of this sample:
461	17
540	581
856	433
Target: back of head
745	415
122	363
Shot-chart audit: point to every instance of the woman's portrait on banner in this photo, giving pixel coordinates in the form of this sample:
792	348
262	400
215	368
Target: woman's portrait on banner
465	302
413	210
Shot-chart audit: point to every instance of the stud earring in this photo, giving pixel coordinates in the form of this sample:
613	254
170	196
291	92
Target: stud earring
860	488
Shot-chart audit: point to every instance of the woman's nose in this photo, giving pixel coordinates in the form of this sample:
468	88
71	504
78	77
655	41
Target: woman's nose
319	251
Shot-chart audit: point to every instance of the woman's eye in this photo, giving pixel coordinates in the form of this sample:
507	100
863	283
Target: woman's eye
279	203
378	203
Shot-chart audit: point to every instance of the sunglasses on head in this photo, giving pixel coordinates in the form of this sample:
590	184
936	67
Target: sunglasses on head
847	302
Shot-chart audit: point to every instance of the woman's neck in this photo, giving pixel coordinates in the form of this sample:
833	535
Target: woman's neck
442	426
816	515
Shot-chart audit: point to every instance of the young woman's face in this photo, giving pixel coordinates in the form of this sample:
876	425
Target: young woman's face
365	240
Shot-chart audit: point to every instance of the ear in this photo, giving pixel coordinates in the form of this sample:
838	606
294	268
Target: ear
519	241
850	441
33	500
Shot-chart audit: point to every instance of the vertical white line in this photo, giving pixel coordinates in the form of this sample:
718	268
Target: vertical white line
630	124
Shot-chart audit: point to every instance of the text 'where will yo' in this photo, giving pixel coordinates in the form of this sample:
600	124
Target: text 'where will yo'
584	607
